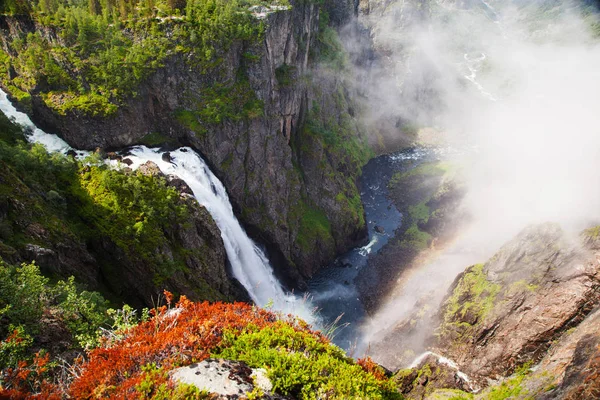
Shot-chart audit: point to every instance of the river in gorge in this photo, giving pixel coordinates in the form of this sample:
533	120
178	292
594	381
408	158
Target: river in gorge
333	289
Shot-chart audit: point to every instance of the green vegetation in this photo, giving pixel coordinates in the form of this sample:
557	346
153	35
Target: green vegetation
50	199
302	365
104	49
231	101
330	52
285	75
593	232
471	300
414	191
510	387
422	171
155	139
30	304
314	227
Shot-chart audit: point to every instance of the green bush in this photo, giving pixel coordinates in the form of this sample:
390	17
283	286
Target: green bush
26	295
302	366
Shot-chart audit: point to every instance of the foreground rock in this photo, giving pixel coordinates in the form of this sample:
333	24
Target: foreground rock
431	373
226	379
508	311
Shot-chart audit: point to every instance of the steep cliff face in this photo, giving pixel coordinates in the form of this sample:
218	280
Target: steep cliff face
508	311
261	96
51	212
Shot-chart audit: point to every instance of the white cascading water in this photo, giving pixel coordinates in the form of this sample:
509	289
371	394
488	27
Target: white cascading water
249	264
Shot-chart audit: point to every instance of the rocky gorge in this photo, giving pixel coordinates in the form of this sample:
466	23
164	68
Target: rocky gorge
286	122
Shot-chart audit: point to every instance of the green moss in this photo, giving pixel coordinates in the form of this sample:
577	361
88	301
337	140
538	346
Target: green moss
521	286
155	139
330	50
450	394
189	119
593	232
285	75
416	239
220	102
471	300
314	226
419	213
422	171
509	388
353	206
302	366
91	104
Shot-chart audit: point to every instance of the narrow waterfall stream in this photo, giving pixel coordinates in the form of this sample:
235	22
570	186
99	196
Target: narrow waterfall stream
249	264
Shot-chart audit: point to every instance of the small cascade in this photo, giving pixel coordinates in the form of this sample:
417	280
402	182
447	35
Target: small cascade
444	361
249	264
473	64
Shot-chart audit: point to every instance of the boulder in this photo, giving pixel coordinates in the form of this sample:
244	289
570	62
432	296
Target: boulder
226	379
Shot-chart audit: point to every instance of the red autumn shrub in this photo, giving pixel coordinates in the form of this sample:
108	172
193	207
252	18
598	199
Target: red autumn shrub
173	337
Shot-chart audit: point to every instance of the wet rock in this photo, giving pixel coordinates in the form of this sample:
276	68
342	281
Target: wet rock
166	157
149	168
430	374
379	229
113	156
71	153
39	254
127	161
179	184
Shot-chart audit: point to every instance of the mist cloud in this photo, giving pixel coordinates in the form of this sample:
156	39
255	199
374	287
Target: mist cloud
520	82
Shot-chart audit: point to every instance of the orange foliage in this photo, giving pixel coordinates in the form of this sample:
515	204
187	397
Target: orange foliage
26	379
370	366
173	337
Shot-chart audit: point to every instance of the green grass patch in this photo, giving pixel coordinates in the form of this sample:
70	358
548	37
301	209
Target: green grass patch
314	227
155	139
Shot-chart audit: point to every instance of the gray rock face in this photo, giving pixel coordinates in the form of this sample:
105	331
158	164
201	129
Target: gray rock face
225	379
538	286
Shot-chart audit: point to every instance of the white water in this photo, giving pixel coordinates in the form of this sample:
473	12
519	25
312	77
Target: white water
473	64
445	361
249	264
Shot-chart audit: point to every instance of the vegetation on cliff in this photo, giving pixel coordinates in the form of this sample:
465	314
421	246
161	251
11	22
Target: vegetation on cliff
50	204
90	55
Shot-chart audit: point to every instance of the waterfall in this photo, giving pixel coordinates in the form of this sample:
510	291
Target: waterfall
248	262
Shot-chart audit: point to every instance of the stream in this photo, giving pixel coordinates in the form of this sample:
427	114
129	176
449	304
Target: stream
333	289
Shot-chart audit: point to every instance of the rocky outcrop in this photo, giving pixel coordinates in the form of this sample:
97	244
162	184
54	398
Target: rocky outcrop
431	373
268	178
508	311
226	379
